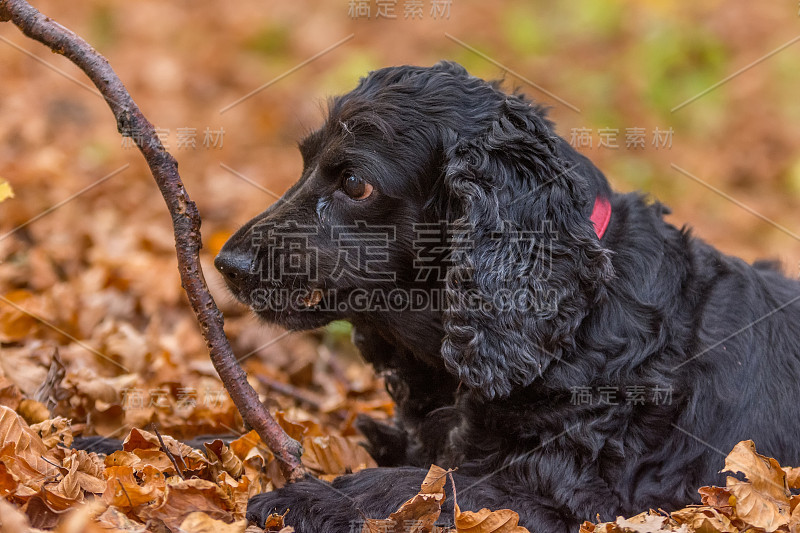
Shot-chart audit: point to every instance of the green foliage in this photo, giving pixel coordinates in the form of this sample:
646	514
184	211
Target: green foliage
594	19
354	65
270	40
338	332
523	30
679	62
793	178
635	170
102	26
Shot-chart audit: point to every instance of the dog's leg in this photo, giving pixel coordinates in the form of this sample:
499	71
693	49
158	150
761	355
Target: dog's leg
418	435
342	506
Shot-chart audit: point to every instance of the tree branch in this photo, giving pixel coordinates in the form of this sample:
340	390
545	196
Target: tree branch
185	220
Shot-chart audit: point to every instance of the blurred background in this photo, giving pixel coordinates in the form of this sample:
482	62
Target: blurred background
693	103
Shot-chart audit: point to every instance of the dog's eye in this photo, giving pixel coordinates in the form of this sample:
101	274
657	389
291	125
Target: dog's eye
356	188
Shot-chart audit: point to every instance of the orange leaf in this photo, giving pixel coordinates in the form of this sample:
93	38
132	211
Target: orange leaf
223	458
184	497
486	521
763	500
792	477
335	455
198	522
718	498
27	446
704	519
123	491
418	514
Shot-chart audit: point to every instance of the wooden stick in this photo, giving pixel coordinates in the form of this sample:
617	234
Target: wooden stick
185	220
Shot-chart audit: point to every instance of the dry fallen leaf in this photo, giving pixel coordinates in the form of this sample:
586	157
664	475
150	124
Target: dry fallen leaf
274	522
333	455
32	411
25	452
123	491
183	497
198	522
114	519
223	458
704	519
418	514
12	520
763	500
84	519
792	477
761	503
486	521
719	498
140	441
54	431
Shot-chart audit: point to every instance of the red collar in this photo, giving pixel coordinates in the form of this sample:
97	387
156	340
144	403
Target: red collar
601	214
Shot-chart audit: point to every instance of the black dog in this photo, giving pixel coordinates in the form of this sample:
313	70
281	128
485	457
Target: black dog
564	347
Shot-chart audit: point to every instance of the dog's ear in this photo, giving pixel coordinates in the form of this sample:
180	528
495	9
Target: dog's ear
527	264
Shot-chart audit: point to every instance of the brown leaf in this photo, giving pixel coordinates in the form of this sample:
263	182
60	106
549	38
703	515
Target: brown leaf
792	477
717	497
27	447
68	491
237	493
88	470
122	458
794	521
84	519
184	497
10	395
123	491
32	411
157	459
153	477
113	519
418	514
704	519
16	325
763	500
647	522
756	509
41	514
22	367
296	430
335	455
54	431
274	522
486	521
202	523
434	481
247	444
139	440
8	482
14	520
223	458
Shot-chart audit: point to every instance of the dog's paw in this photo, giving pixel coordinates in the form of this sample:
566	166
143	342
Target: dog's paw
310	506
260	506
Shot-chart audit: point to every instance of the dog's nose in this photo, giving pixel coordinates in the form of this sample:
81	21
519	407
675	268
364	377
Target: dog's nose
233	266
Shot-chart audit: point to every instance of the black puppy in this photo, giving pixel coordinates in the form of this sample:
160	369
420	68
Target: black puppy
564	347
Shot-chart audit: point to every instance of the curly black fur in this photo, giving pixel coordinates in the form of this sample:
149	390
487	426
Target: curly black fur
491	390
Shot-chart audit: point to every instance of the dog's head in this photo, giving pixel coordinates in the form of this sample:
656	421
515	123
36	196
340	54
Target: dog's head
429	180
